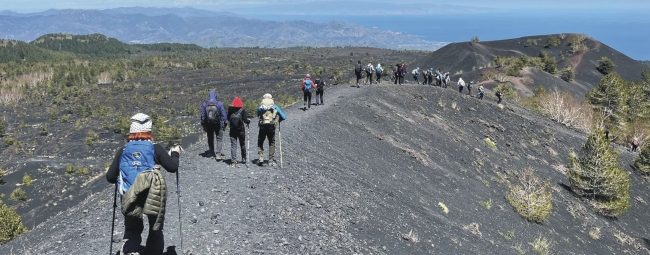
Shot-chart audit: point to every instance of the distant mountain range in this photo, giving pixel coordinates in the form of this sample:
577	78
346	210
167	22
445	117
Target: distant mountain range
202	27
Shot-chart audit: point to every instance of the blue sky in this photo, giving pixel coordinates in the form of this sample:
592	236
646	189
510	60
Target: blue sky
41	5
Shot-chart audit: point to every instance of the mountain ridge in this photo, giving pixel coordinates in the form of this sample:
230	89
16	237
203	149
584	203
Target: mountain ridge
219	30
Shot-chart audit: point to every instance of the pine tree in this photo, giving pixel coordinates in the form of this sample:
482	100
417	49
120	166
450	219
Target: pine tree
597	176
11	225
612	95
642	163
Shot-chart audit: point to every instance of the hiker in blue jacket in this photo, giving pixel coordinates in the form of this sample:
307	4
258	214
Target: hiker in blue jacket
214	121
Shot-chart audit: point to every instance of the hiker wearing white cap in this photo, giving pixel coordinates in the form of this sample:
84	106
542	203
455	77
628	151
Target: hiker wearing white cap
270	115
137	180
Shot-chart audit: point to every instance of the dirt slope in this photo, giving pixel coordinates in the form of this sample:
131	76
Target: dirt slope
370	173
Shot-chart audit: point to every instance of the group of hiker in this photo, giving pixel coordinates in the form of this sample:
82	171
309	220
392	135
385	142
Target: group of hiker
308	87
135	169
215	120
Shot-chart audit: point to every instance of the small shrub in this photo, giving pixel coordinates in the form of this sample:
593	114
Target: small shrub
490	143
82	171
2	127
27	180
486	204
9	141
65	118
531	197
2	176
475	39
568	73
540	245
43	130
552	41
605	65
70	169
91	137
18	195
11	225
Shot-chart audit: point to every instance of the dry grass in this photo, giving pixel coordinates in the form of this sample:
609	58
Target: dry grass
411	237
541	245
594	233
444	207
564	108
473	228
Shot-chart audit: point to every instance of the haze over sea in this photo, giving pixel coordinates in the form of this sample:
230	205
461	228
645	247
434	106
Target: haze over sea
625	31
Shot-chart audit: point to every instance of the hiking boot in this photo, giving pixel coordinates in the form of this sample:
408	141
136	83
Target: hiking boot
243	160
272	163
218	157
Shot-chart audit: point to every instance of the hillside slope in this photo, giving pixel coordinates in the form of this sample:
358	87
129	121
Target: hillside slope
370	173
473	60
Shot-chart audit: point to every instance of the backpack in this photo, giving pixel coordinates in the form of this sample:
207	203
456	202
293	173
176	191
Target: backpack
415	72
369	69
320	85
236	120
358	68
212	113
138	156
268	115
308	85
379	70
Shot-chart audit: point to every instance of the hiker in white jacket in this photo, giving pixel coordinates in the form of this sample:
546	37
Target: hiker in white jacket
461	85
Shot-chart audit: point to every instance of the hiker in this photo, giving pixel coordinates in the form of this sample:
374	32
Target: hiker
395	73
469	88
320	88
499	94
430	76
307	88
416	73
425	76
635	144
439	78
369	71
267	113
481	92
461	85
379	71
402	73
214	121
447	79
357	72
136	172
237	118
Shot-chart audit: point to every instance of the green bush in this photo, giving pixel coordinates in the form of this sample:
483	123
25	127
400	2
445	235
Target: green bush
82	171
2	127
531	197
552	41
27	180
490	143
91	137
18	195
70	169
568	73
11	225
597	176
605	65
2	176
641	164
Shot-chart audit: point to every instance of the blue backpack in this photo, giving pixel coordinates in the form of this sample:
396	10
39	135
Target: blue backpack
308	85
138	156
379	70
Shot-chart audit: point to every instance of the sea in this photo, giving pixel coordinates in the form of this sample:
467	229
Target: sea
627	31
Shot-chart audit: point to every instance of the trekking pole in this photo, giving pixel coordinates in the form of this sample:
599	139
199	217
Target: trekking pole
280	136
110	252
178	192
248	143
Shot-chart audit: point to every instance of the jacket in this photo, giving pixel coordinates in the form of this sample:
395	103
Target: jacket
152	185
212	97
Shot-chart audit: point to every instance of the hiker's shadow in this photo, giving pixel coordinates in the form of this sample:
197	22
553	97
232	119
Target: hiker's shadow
171	250
206	154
